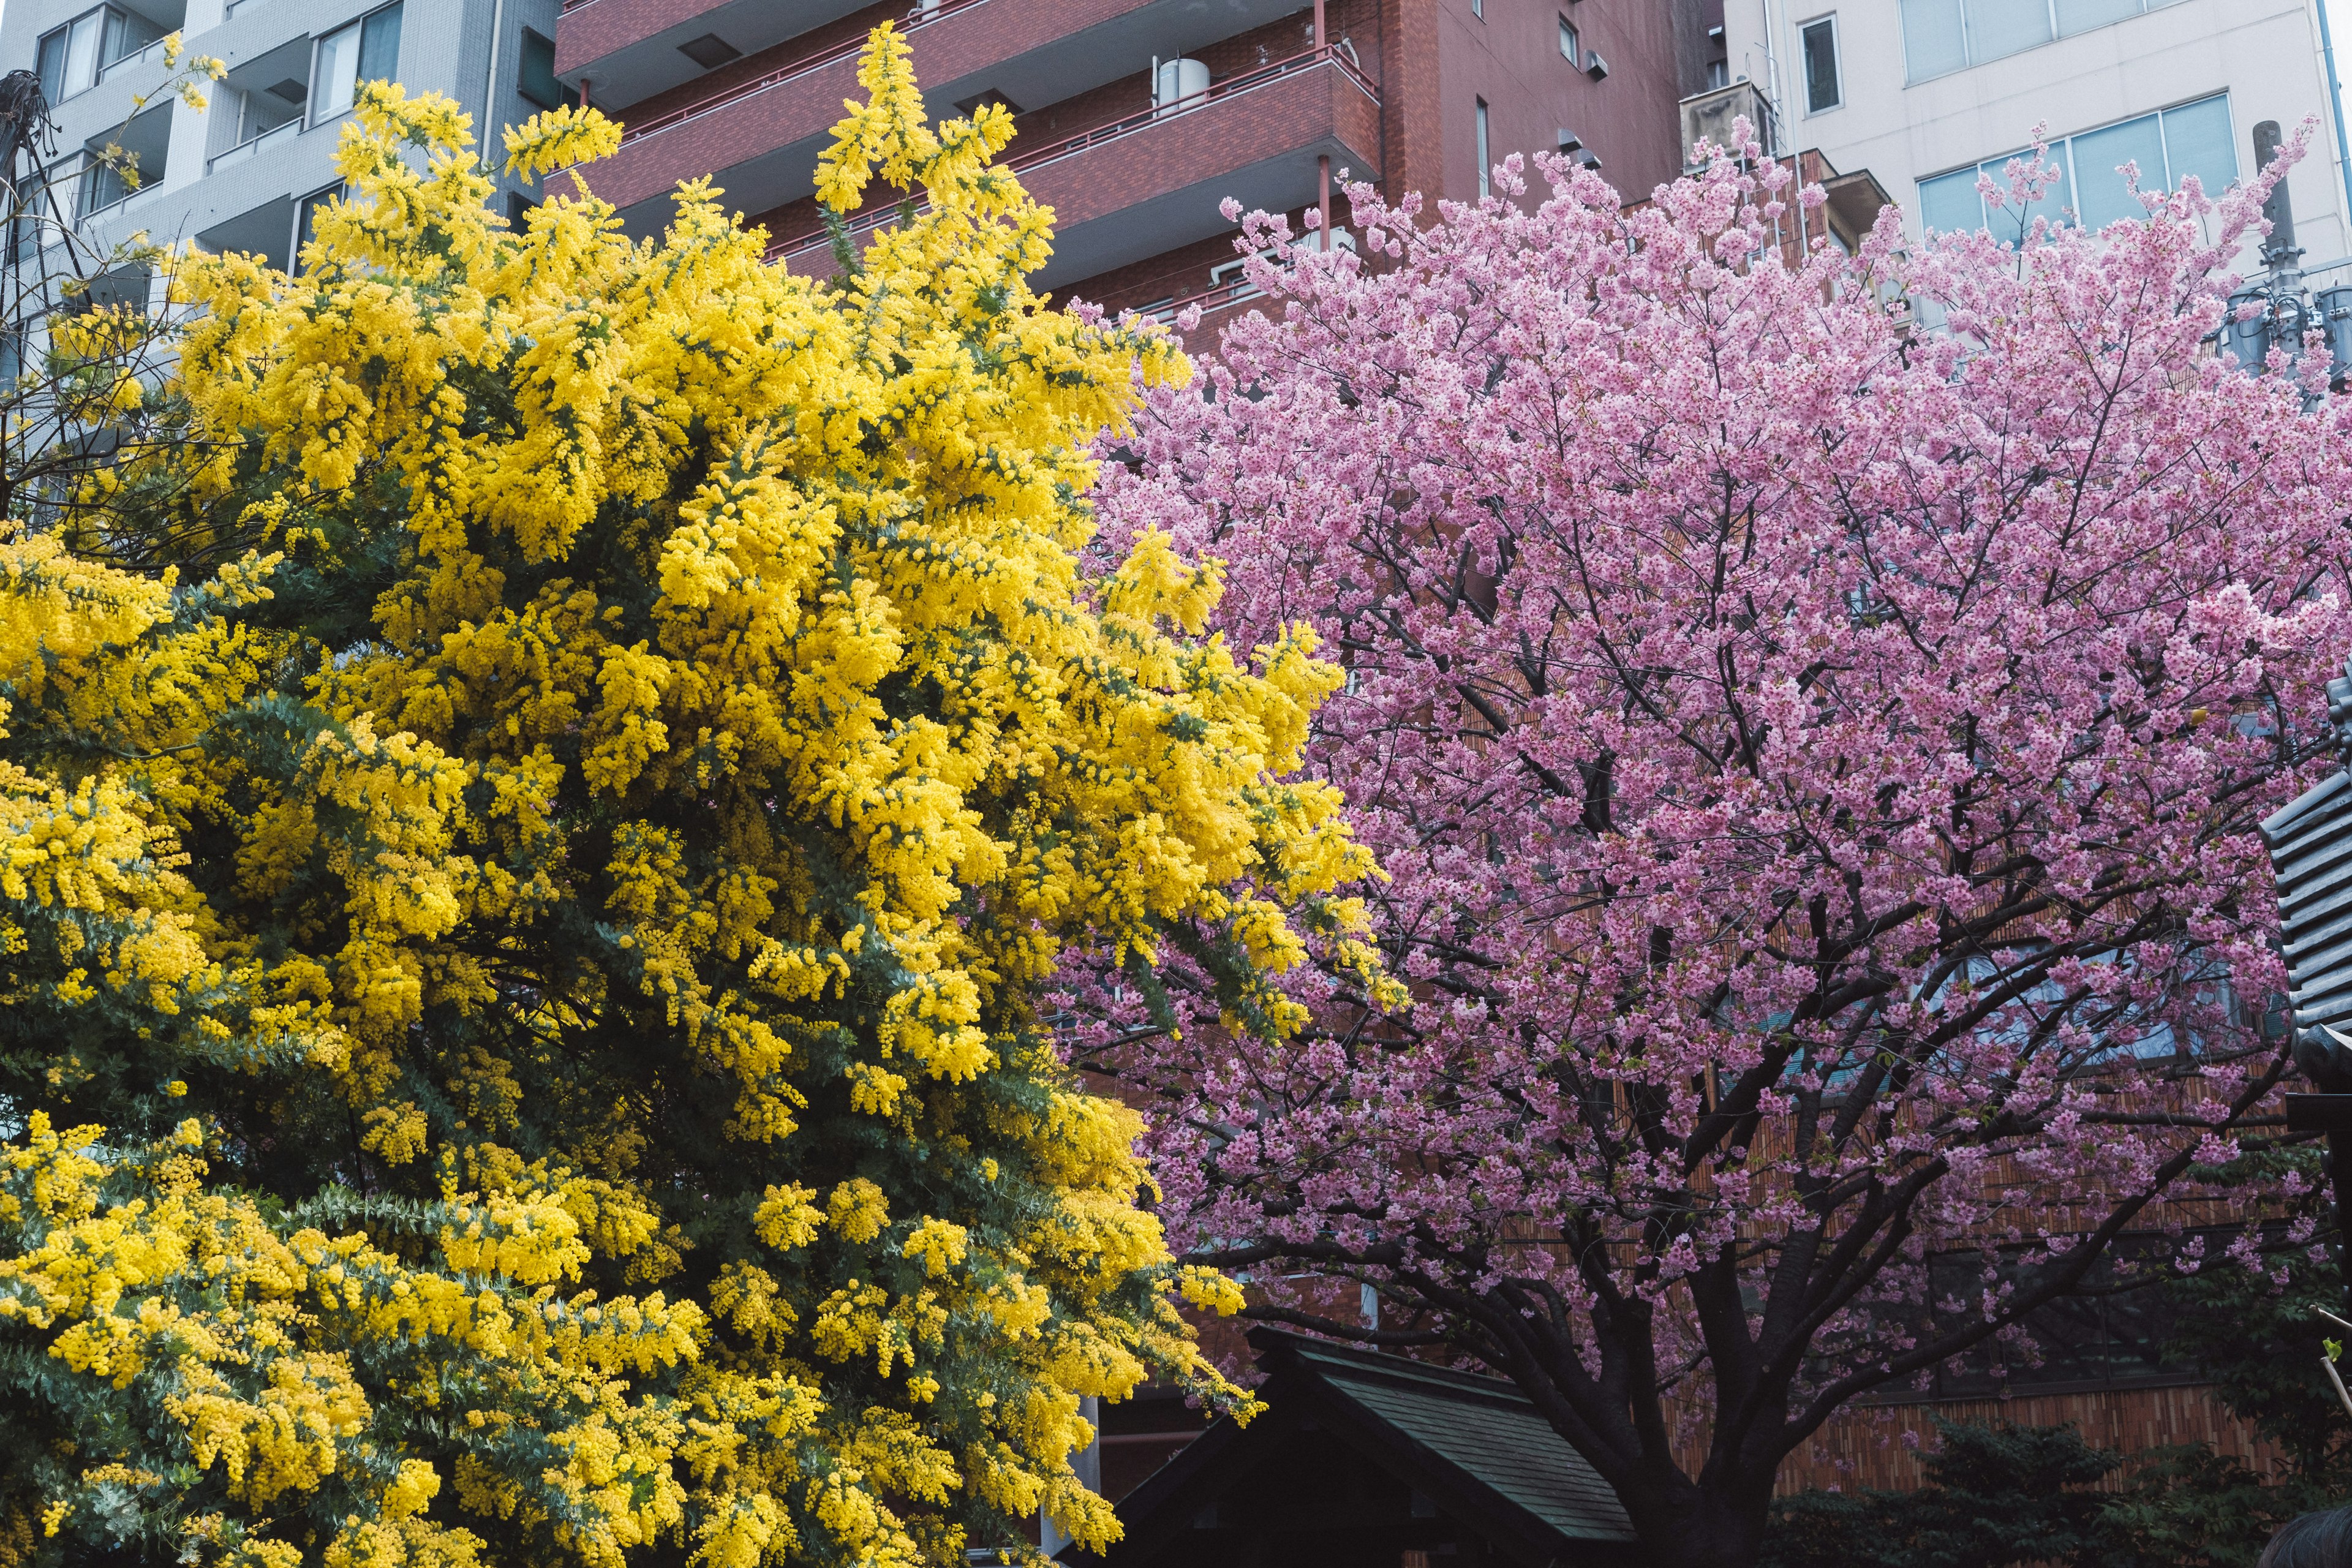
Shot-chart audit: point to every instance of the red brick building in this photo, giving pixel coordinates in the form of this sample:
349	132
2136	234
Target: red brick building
1138	117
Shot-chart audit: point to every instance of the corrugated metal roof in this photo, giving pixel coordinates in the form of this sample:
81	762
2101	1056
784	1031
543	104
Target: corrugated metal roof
2310	843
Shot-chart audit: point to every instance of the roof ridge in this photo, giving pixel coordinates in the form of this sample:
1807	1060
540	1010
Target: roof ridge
1380	1362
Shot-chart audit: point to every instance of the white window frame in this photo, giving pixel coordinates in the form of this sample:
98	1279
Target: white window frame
101	64
1837	62
311	117
2062	149
1486	164
1968	37
302	206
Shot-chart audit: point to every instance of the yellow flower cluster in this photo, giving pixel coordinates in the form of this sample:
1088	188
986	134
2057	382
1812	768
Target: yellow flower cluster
245	1333
587	846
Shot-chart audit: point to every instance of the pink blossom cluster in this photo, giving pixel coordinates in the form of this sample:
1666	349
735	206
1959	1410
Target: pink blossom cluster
1815	758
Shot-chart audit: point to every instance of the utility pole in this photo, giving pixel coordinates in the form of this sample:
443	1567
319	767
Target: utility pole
2283	308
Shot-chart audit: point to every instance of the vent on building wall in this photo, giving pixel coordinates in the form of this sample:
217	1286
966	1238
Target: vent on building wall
1569	141
969	107
1594	65
710	51
291	91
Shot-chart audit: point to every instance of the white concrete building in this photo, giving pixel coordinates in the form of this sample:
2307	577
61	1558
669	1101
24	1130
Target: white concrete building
1924	93
242	175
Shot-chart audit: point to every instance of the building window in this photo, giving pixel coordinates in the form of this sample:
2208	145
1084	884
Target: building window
1817	41
1940	36
1478	9
1485	166
1718	73
1570	49
102	185
2169	146
365	50
535	78
305	216
73	57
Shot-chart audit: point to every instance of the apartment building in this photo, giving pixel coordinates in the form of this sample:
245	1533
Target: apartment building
1927	93
245	173
1136	118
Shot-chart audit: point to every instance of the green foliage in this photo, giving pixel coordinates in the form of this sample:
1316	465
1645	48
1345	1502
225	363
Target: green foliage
2000	1494
1996	1494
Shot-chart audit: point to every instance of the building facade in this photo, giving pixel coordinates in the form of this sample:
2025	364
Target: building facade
1136	118
1927	93
245	174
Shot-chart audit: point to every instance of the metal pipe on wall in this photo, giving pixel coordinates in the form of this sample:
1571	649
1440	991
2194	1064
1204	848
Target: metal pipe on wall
1323	197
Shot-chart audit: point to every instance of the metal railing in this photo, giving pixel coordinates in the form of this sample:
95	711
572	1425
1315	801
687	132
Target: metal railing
915	20
1071	146
1215	297
253	143
125	62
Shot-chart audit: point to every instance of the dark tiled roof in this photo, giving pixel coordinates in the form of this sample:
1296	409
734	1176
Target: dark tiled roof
1483	1426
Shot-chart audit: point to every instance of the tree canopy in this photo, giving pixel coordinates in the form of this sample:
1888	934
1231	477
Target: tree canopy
1815	708
532	827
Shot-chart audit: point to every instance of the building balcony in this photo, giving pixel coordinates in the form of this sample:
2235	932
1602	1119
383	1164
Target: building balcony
760	137
1146	184
631	49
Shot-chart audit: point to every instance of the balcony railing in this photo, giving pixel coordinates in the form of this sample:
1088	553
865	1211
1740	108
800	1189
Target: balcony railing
916	19
1215	297
125	62
1071	146
254	143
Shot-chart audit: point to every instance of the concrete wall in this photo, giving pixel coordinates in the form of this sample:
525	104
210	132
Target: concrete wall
2263	53
444	46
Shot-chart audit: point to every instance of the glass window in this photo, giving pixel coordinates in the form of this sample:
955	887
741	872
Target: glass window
2197	142
1818	42
536	79
52	65
2056	201
1998	28
1950	204
81	51
1570	49
306	217
2193	139
2082	15
1478	9
380	46
334	71
73	57
1940	36
1485	166
102	186
126	34
2101	196
1934	43
365	50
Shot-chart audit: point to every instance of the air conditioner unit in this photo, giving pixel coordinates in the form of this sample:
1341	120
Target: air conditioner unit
1594	65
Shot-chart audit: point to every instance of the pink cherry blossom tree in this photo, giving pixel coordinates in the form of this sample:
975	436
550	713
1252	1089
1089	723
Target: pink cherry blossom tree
1816	760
